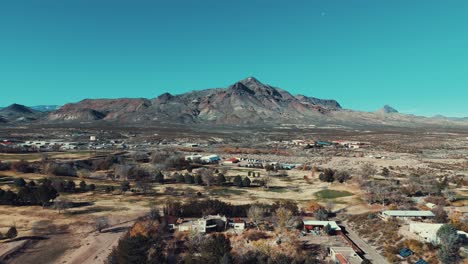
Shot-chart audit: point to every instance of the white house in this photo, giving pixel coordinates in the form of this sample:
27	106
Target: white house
193	157
202	225
427	232
210	158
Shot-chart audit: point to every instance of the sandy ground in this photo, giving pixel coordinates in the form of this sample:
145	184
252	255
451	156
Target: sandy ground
94	247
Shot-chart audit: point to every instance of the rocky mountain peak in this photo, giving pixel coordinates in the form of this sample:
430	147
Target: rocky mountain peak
386	109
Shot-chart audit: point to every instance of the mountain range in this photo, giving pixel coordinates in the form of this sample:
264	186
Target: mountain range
246	102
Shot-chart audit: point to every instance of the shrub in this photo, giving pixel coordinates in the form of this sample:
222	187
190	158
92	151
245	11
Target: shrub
11	233
20	182
22	166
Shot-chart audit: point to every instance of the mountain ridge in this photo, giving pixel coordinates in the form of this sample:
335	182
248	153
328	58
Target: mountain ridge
246	102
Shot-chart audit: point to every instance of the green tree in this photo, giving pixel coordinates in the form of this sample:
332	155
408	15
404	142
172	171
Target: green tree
179	178
220	179
131	250
11	233
20	182
45	193
159	177
70	186
198	180
215	247
237	181
83	186
189	179
92	187
125	186
246	182
449	242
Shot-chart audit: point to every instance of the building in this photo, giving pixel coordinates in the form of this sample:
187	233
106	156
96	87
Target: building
344	255
194	157
427	232
237	224
210	159
231	161
311	225
406	215
203	225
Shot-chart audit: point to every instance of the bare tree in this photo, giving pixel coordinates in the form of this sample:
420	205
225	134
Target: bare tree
329	206
207	176
267	180
62	204
256	214
101	223
367	170
285	218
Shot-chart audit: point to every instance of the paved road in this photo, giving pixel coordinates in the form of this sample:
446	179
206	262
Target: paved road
370	252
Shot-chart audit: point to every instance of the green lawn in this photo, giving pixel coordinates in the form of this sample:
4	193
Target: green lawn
331	194
225	191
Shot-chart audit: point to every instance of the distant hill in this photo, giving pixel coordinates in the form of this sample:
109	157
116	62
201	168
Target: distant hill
18	113
246	102
45	108
387	110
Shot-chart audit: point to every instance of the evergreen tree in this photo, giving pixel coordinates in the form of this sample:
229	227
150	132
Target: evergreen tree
237	181
246	182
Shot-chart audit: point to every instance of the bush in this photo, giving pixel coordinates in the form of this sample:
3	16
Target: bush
20	182
11	233
23	166
237	181
61	169
4	166
246	182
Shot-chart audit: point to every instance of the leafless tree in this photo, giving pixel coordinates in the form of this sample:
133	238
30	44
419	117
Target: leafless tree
329	206
62	204
256	214
207	176
285	218
367	170
101	223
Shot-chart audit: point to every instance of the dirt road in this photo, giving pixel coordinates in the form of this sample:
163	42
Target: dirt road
369	251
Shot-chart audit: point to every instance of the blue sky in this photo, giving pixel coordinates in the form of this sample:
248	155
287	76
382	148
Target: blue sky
412	55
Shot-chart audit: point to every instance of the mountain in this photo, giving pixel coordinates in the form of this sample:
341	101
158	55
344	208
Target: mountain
45	108
18	113
387	110
246	102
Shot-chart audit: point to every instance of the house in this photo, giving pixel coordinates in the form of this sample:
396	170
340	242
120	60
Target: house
430	205
193	157
427	232
231	161
237	224
311	225
203	225
344	255
210	159
406	215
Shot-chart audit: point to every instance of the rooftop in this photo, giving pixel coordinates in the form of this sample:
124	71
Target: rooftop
412	213
332	224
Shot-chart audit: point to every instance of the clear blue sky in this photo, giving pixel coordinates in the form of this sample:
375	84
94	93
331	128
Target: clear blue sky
412	55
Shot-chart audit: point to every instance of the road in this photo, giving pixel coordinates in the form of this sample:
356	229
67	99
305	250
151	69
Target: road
370	252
